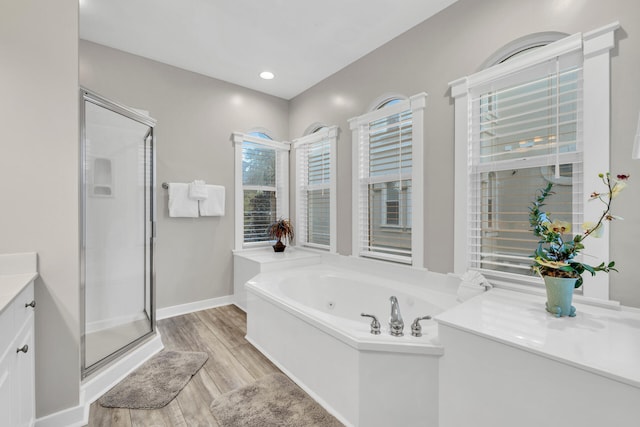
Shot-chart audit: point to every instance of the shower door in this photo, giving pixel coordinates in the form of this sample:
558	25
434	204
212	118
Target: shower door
118	229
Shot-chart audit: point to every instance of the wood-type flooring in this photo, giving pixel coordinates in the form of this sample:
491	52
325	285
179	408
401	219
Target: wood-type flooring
233	363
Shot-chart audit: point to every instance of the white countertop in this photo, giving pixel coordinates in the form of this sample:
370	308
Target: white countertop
601	340
263	255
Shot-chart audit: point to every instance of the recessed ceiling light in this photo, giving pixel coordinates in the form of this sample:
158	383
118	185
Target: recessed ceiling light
267	75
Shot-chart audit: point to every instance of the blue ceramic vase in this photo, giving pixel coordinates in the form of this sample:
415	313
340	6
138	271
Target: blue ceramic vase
560	295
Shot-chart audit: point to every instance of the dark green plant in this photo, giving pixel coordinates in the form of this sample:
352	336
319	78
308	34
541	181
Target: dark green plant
556	256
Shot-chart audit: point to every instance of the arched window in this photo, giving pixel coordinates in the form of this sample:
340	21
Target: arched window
522	116
260	135
314	128
388	103
388	179
522	46
261	186
386	100
316	187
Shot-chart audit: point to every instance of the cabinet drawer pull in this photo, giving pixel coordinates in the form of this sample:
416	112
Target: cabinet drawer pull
23	349
32	304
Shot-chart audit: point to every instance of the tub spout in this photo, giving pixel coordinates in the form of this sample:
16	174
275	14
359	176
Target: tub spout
396	324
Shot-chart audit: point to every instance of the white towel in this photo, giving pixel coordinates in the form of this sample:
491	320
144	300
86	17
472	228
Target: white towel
198	190
213	205
472	283
180	205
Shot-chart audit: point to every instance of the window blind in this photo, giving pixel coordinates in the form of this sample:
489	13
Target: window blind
259	166
525	131
314	187
390	146
386	181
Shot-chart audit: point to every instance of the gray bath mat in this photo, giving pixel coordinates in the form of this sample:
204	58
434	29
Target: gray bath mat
272	401
156	382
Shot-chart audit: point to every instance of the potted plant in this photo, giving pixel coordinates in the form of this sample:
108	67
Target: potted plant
555	258
281	229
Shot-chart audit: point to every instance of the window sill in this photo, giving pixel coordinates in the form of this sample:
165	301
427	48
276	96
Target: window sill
314	247
387	257
395	227
256	245
535	286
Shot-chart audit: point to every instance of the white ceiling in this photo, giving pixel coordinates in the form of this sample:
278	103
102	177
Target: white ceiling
301	41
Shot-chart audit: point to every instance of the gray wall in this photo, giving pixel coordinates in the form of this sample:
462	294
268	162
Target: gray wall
39	137
453	44
196	115
39	179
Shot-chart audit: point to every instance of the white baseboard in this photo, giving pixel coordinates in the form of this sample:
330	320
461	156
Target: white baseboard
178	310
71	417
100	383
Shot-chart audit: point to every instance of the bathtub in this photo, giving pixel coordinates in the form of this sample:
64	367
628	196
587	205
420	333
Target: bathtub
307	321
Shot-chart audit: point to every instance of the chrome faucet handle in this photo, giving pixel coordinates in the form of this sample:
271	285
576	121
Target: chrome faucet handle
416	329
375	325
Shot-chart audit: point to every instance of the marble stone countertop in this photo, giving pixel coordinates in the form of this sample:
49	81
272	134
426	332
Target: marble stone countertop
263	255
605	341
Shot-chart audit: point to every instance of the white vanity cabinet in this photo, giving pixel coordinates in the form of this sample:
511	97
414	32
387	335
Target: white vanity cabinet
17	356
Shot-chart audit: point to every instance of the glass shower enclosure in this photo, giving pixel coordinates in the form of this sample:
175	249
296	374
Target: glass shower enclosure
117	202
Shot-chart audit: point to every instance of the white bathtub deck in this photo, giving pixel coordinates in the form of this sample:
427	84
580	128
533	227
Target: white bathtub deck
511	362
599	340
307	321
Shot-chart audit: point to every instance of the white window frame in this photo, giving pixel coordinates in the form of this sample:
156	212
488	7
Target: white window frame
281	189
330	134
595	46
359	127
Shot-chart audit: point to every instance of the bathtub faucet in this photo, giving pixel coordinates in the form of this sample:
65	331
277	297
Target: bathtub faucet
416	328
375	325
396	324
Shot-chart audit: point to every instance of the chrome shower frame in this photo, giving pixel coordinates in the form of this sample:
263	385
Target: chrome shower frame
99	100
